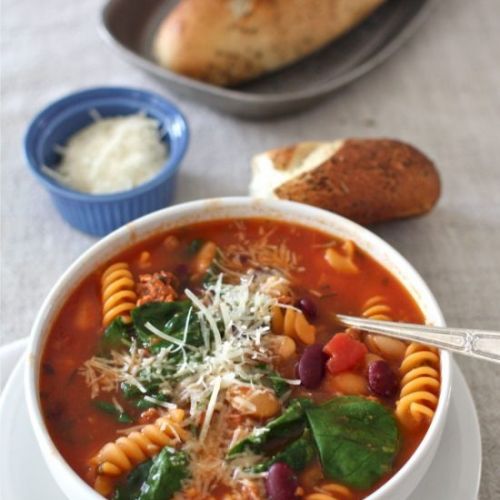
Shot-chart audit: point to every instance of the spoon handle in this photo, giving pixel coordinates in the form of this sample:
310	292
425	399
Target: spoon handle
476	343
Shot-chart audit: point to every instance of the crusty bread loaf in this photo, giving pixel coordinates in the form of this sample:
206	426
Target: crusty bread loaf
225	42
366	180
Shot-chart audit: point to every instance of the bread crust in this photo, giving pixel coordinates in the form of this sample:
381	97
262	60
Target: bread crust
226	42
368	181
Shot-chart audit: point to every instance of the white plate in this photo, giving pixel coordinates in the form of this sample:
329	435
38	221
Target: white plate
455	472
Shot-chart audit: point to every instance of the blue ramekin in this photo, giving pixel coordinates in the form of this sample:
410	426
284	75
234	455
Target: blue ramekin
99	214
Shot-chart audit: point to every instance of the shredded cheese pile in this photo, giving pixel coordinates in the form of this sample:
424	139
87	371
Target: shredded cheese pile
261	255
112	154
209	466
234	321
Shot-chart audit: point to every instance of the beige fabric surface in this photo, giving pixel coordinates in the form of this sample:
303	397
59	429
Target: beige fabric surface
441	93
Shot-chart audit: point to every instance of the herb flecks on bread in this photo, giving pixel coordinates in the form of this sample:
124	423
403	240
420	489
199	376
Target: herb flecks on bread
366	180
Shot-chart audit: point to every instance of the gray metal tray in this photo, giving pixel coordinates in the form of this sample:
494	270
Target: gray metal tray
129	26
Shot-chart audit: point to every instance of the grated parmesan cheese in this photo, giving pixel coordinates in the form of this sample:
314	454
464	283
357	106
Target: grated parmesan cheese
235	323
112	154
210	408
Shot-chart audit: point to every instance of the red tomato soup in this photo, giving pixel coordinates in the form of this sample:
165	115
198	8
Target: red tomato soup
207	362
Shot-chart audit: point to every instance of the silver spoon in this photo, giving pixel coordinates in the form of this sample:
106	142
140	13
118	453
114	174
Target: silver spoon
481	344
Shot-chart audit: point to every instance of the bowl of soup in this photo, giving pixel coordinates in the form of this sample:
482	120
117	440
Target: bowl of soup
195	353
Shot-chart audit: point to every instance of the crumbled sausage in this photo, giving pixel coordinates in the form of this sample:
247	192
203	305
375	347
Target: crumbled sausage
156	287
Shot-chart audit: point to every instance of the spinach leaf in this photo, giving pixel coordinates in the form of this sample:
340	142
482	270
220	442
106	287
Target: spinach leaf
357	439
165	477
156	479
116	336
297	455
111	409
137	398
130	391
194	246
132	486
170	318
286	425
157	313
273	380
144	404
277	383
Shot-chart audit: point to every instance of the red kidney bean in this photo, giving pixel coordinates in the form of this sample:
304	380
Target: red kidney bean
312	366
381	379
281	482
181	271
307	306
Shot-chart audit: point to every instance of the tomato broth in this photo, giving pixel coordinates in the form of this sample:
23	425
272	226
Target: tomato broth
89	398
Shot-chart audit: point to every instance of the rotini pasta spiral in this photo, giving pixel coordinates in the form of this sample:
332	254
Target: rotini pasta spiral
330	491
291	322
118	294
420	385
120	456
377	308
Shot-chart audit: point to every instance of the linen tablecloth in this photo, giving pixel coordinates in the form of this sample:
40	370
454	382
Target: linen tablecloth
441	92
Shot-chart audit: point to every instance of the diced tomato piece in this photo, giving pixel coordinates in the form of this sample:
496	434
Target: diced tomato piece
339	342
345	353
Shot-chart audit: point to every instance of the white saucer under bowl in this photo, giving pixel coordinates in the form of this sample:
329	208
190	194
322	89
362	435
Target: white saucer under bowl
454	473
